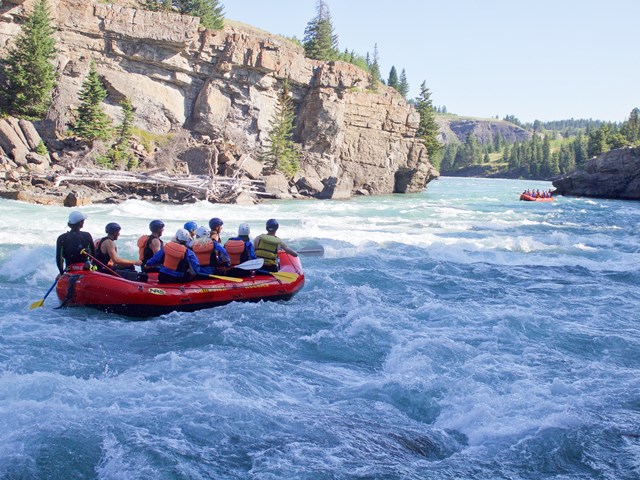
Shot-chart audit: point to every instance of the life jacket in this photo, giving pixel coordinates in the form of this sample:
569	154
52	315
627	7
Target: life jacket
102	257
267	248
174	257
205	252
235	247
144	247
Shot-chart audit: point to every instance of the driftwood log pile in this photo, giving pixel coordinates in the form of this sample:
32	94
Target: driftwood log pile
196	187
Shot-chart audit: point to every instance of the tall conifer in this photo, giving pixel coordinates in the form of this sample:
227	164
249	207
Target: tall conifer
280	150
393	81
211	12
91	122
428	128
320	43
28	71
403	87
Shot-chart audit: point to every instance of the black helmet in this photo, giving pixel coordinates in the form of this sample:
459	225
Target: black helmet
156	225
215	222
272	224
112	227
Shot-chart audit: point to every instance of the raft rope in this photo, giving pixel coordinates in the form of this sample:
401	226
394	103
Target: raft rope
71	290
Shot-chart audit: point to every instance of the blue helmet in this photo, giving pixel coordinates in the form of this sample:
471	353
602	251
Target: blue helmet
215	222
112	227
272	224
190	226
156	225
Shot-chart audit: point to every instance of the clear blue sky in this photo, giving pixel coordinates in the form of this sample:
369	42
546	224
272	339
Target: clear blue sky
536	59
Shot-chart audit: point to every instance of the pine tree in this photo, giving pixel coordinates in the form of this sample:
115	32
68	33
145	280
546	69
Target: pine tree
320	43
28	71
393	81
280	150
631	128
374	68
403	86
91	122
211	12
427	128
120	154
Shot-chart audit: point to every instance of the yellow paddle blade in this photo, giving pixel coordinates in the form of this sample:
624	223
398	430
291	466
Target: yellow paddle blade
38	304
228	279
285	276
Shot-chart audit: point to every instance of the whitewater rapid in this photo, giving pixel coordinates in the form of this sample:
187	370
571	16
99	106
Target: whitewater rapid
451	334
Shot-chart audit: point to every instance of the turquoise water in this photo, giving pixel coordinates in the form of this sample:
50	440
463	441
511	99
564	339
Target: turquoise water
452	334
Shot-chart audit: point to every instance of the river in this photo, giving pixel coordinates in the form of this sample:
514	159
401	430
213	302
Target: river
457	333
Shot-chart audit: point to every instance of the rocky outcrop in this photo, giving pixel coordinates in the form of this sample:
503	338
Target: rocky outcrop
614	174
454	129
224	85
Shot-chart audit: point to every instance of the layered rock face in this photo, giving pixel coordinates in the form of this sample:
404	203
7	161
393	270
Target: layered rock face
225	85
614	174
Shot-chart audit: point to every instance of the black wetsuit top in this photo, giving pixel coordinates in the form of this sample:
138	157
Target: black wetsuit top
69	245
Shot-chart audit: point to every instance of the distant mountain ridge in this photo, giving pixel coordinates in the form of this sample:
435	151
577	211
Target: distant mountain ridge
454	129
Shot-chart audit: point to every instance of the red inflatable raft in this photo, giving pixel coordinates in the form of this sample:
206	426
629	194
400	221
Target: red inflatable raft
110	293
529	198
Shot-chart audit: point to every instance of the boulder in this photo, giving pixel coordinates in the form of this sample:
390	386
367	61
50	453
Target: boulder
251	167
310	185
30	134
337	188
76	199
276	184
11	142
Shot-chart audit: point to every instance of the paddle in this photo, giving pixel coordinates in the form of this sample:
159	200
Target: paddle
40	303
251	264
314	251
284	276
228	279
84	252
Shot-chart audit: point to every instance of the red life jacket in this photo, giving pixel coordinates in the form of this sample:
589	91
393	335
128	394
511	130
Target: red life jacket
173	254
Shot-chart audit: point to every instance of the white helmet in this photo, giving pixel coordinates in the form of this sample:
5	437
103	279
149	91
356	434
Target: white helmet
202	232
243	229
182	235
76	217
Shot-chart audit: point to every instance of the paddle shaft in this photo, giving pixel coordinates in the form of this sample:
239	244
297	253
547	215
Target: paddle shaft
101	264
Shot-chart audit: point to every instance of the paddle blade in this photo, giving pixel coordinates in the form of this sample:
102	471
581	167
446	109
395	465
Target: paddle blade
251	264
228	279
38	304
314	251
285	276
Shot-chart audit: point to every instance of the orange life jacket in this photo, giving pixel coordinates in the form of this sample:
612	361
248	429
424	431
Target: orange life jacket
144	247
203	251
235	249
173	254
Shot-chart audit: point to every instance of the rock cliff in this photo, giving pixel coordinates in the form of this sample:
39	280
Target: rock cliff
614	174
223	85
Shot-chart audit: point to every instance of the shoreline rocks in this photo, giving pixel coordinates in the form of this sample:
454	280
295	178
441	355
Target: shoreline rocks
614	174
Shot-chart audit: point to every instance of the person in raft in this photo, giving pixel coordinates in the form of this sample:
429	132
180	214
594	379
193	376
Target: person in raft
178	263
240	249
107	251
149	245
215	224
191	228
267	246
70	244
212	256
